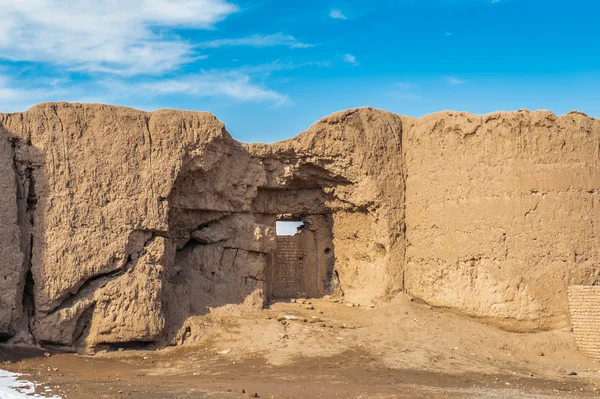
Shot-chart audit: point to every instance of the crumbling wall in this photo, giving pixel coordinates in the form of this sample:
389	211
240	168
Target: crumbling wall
117	226
350	166
12	278
502	213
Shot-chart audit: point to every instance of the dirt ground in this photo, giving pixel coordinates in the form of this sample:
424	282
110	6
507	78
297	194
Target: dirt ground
400	349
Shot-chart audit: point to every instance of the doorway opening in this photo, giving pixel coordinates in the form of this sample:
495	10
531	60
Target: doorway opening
303	260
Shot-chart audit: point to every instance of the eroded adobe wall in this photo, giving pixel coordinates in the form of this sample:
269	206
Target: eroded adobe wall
102	252
120	226
12	275
350	166
502	213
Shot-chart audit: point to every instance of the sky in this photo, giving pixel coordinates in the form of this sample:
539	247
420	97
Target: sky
271	68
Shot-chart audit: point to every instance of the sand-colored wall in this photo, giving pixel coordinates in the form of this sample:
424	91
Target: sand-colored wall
493	216
502	213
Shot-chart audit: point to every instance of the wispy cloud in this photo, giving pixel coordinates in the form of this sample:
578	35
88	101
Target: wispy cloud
276	39
337	14
21	95
125	37
234	85
405	90
350	59
454	81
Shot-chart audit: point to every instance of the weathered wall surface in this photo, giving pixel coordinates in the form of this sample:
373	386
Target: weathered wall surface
502	213
355	159
117	226
12	276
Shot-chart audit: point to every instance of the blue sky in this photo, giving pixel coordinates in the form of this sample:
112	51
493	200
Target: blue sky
269	69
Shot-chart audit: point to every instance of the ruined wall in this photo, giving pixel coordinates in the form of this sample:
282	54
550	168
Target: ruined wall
12	276
502	213
349	165
117	226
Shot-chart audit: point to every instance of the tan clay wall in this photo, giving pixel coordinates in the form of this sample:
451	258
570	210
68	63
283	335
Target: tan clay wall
584	303
502	213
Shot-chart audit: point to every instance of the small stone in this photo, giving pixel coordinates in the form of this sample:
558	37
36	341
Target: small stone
541	354
46	354
253	395
242	390
572	373
292	300
310	307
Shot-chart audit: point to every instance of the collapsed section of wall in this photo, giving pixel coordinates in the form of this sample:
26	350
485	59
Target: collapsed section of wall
121	225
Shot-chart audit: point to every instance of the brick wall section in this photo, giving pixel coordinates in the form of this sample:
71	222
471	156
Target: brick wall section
584	303
290	266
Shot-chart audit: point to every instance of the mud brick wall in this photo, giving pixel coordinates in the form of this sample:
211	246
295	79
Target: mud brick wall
289	266
584	303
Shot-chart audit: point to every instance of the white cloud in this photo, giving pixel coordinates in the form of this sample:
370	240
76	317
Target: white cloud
118	36
16	96
337	14
405	90
276	39
230	84
350	59
454	81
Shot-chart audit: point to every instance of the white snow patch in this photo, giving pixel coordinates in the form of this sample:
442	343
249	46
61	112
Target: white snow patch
11	387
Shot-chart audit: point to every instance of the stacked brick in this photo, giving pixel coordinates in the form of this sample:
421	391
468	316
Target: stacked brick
290	266
584	303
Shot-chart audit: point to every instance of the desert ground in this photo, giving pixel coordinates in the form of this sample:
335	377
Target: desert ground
326	349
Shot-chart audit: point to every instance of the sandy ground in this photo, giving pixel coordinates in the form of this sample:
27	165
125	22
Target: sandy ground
400	349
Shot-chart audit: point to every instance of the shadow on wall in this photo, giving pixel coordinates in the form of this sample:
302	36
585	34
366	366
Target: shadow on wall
22	177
